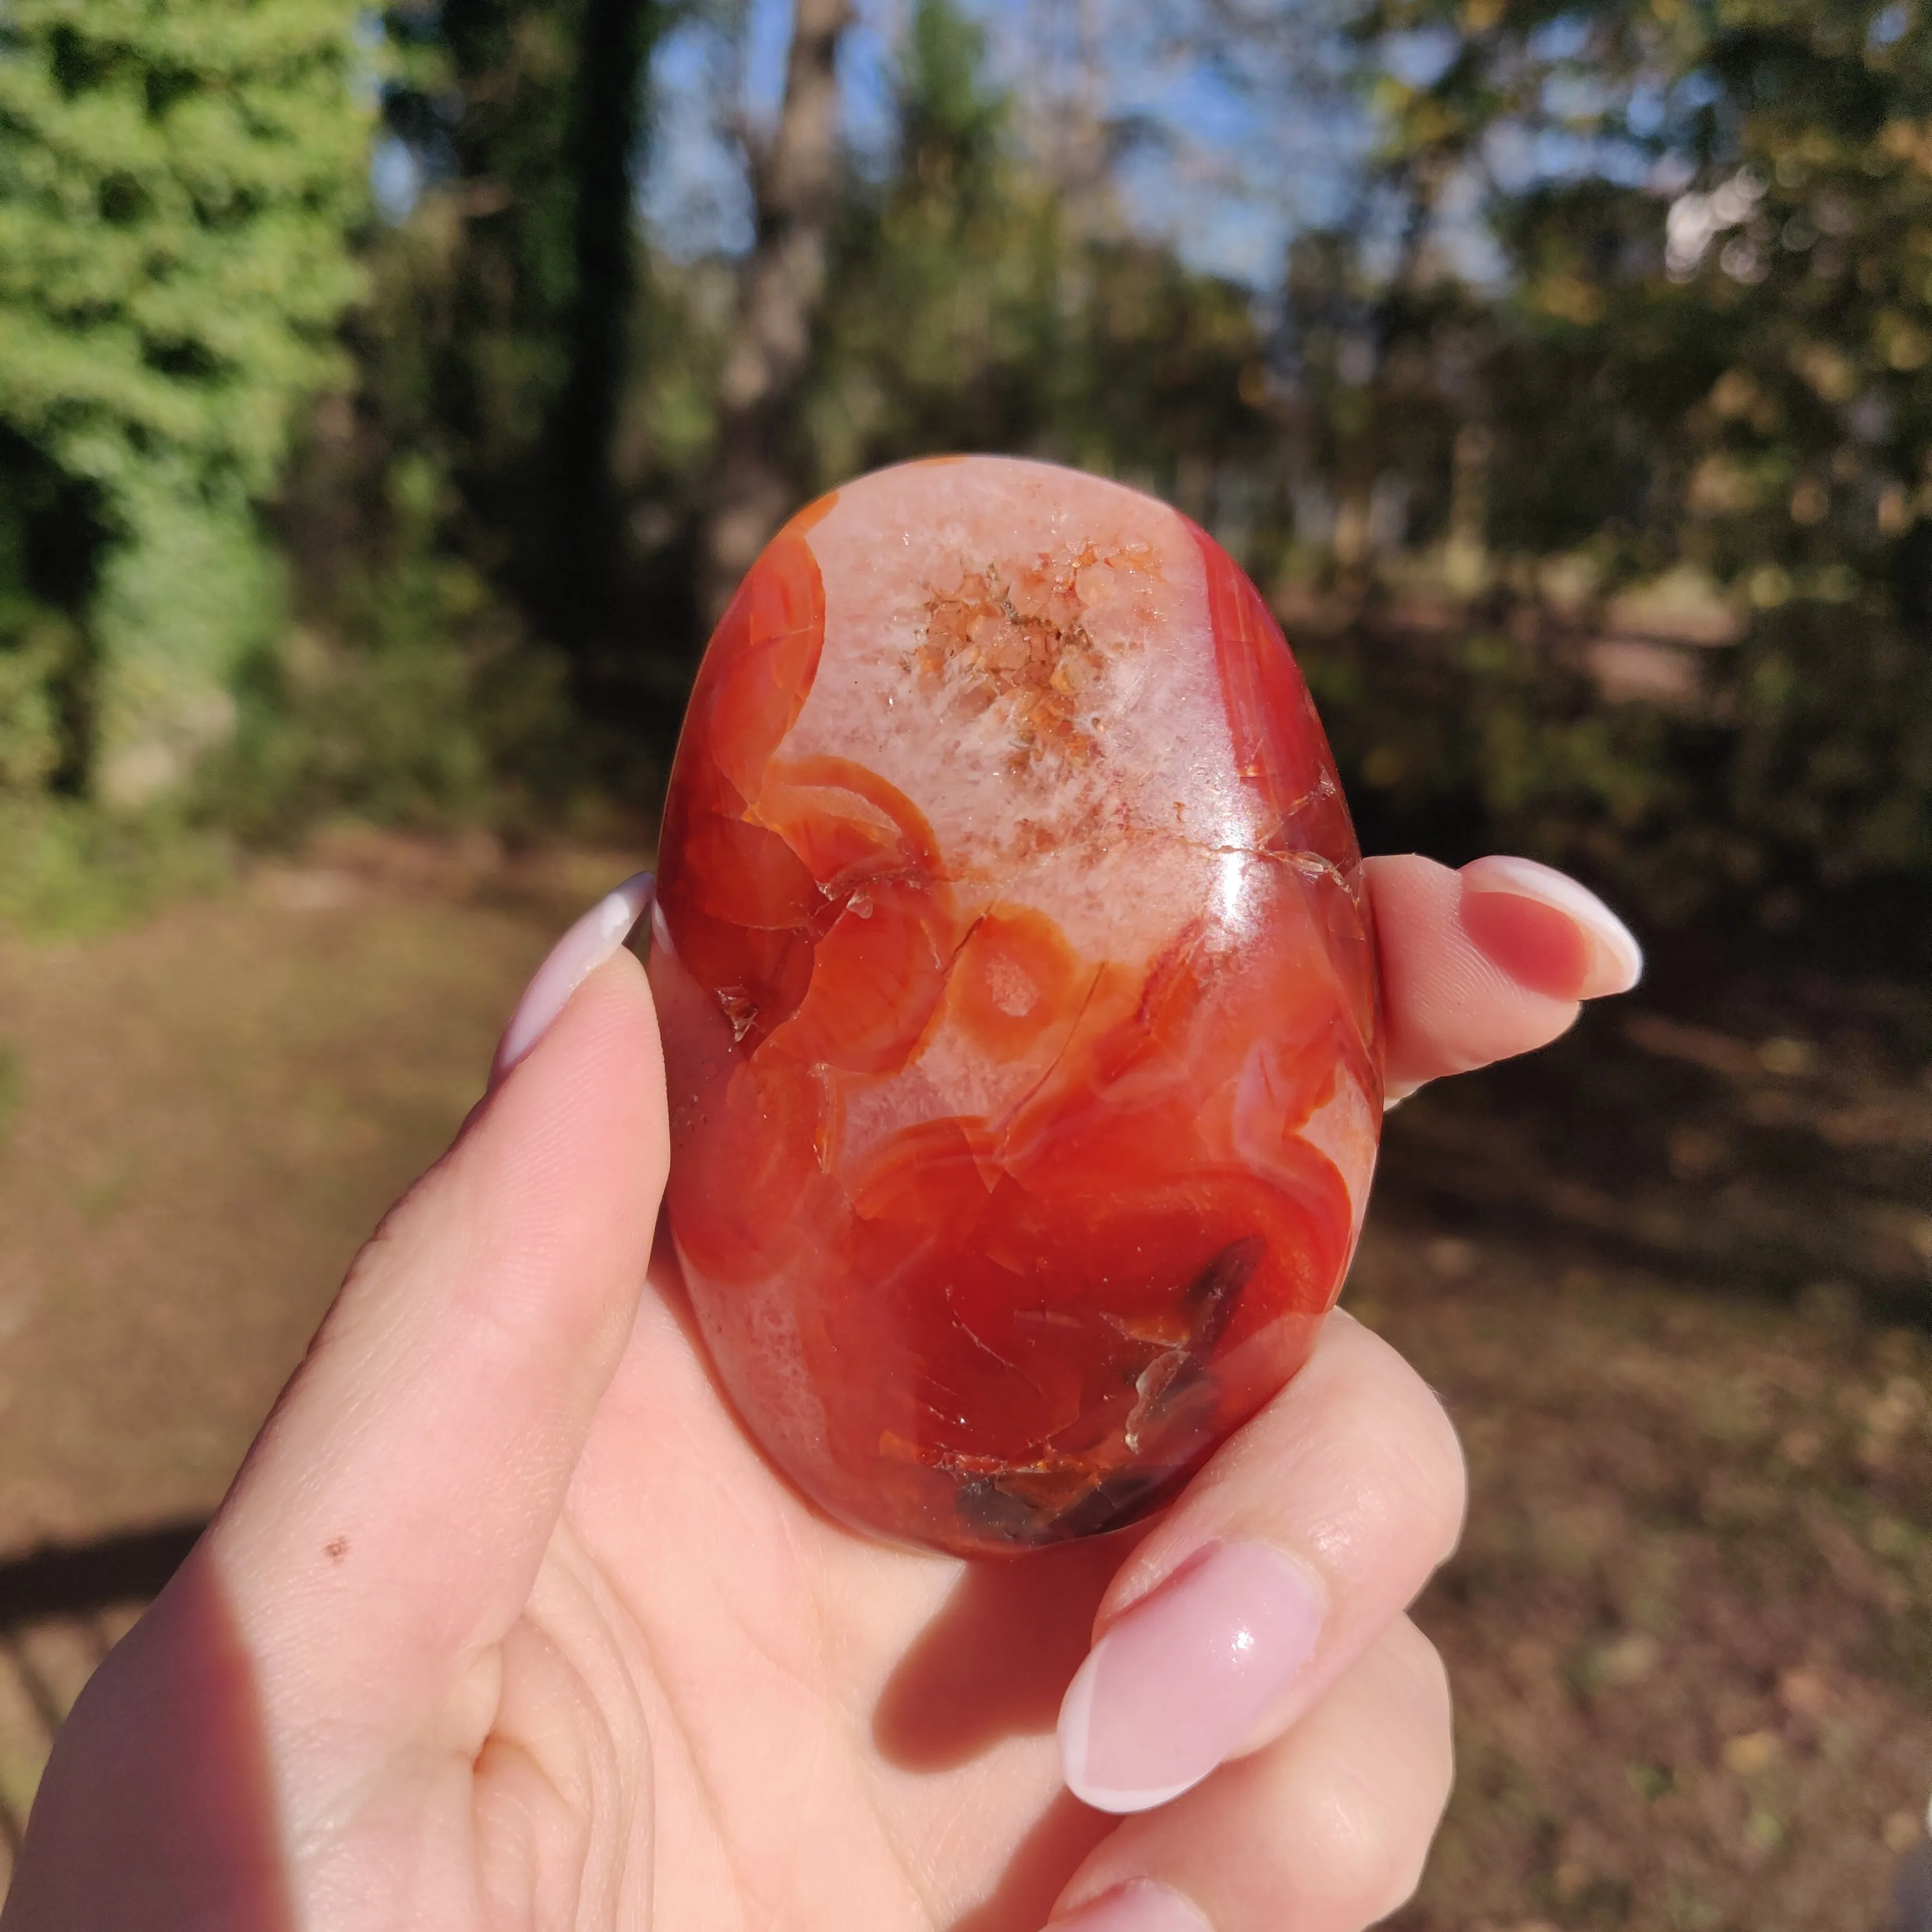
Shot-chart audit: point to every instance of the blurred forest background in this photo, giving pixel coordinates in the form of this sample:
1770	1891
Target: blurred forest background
389	397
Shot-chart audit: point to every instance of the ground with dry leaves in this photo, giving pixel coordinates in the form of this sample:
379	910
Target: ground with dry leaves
1665	1277
1690	1624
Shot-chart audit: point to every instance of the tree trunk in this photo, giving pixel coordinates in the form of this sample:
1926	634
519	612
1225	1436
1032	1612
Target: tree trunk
794	183
546	146
614	51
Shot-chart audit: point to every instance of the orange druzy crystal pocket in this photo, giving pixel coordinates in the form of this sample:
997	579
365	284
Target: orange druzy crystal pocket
1018	994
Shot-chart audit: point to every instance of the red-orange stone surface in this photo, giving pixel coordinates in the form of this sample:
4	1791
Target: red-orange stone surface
1018	997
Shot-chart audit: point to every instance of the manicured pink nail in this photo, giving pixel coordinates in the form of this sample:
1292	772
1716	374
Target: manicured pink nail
1140	1906
572	960
1186	1675
1546	931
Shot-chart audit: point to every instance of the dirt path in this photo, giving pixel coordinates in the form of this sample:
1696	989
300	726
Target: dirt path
204	1117
1691	1625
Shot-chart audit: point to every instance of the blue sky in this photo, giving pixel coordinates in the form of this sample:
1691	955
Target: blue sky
1241	139
1231	162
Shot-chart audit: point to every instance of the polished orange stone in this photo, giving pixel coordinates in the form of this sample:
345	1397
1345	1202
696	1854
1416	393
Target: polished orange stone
1018	998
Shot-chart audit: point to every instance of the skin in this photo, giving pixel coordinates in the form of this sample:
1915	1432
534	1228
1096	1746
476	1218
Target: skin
506	1625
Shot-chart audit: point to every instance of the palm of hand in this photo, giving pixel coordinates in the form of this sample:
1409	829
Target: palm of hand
721	1703
506	1624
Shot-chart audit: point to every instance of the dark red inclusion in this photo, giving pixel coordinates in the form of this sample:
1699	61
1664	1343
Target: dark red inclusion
1029	1328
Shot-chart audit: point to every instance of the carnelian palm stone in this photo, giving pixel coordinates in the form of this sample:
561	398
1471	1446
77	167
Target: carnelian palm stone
1018	998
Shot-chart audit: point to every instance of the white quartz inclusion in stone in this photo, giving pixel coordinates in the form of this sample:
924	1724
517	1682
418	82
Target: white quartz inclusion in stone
1117	820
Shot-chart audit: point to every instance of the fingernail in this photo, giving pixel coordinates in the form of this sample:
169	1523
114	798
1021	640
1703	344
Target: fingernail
1546	931
1140	1906
1179	1681
572	960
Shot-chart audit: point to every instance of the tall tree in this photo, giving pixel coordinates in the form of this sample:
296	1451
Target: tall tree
795	183
537	123
971	308
961	308
178	183
614	54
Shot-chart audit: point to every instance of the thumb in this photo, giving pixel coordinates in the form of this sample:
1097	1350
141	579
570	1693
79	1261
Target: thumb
385	1531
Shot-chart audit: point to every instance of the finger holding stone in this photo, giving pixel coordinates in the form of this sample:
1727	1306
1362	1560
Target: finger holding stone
1299	1543
1486	962
1325	1831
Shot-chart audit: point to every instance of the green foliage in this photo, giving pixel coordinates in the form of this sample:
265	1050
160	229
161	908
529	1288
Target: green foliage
187	589
66	866
968	308
40	651
1833	756
46	545
526	116
1708	359
488	103
952	126
1488	742
177	183
413	697
1699	382
435	519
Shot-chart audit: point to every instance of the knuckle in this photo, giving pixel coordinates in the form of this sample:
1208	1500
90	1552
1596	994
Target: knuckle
1428	1440
1356	1463
1424	1680
1379	1819
1369	1862
1440	1475
1401	1437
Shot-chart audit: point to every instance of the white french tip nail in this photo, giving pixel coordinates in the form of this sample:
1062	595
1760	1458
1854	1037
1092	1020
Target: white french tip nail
571	960
1076	1714
1185	1674
1620	957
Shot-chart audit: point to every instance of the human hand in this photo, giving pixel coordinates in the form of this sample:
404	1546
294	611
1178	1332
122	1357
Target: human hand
504	1622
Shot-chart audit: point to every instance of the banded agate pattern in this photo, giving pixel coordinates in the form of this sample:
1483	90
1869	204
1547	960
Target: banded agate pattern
1018	1000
